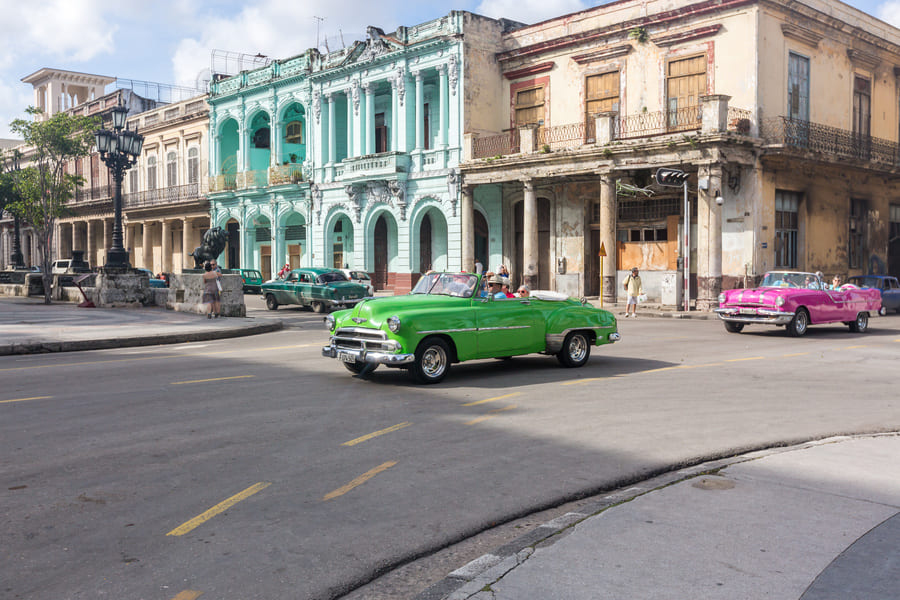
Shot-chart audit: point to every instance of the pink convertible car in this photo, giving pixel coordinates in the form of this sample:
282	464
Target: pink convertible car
798	300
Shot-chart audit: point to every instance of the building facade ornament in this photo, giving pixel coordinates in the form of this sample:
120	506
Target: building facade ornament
398	192
453	73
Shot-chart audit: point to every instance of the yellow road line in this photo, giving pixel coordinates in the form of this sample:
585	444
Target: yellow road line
359	480
852	347
491	415
477	402
582	381
794	354
188	595
718	364
377	433
25	399
743	359
213	379
93	362
218	508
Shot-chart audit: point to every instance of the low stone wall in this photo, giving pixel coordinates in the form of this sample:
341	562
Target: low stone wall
121	289
185	294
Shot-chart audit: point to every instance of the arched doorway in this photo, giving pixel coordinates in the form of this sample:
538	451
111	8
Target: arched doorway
380	279
295	239
260	143
341	242
430	248
425	244
543	224
482	235
233	247
227	153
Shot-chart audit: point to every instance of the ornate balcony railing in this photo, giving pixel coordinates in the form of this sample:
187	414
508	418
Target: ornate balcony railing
223	183
558	137
496	145
281	174
386	163
179	194
647	124
837	143
94	194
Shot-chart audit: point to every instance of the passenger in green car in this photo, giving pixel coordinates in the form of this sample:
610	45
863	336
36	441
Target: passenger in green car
495	288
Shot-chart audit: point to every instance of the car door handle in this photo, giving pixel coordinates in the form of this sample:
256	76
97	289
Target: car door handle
524	301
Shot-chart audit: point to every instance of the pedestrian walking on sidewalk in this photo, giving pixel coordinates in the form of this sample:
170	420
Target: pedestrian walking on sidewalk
212	288
633	289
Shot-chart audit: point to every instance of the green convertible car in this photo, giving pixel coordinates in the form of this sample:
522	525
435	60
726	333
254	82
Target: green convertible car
447	318
320	289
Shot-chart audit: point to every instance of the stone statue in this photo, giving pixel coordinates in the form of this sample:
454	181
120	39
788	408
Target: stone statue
214	242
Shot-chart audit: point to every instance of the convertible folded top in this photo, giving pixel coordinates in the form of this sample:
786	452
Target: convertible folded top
549	295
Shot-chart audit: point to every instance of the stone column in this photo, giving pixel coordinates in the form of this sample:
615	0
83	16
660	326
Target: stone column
420	111
369	131
395	116
608	237
77	237
128	242
709	239
467	223
444	87
166	246
107	240
147	236
530	236
187	237
90	246
350	152
332	131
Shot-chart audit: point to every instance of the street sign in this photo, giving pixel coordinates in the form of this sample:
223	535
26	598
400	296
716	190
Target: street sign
602	252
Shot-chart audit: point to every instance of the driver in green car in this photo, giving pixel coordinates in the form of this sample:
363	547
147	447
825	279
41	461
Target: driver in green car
495	288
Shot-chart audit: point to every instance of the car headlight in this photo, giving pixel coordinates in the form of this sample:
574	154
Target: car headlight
779	301
722	298
329	322
393	323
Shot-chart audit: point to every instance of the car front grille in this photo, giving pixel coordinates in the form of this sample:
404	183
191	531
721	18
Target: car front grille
359	338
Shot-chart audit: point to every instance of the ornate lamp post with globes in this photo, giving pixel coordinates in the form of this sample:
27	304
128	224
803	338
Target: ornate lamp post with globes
119	149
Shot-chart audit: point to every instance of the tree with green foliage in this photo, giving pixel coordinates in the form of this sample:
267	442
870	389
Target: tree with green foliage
8	191
43	186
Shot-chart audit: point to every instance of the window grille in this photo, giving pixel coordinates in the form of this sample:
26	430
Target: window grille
787	205
263	234
295	232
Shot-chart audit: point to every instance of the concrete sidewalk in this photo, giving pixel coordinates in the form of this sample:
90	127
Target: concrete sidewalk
811	522
28	326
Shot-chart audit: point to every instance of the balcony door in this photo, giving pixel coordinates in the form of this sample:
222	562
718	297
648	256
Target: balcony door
862	116
685	83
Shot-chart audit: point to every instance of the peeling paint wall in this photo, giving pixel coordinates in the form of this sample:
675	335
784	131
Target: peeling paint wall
483	101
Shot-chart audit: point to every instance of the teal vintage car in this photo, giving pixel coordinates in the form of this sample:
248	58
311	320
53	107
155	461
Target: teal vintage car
252	280
447	318
320	289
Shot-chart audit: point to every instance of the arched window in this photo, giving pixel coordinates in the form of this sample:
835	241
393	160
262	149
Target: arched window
294	133
171	169
151	173
193	165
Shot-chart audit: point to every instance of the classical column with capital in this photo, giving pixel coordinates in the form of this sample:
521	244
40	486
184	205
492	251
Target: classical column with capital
332	131
530	236
369	130
187	238
608	237
444	94
147	249
709	239
166	246
467	223
420	111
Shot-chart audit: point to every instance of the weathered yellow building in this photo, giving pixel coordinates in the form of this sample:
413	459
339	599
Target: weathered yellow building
785	115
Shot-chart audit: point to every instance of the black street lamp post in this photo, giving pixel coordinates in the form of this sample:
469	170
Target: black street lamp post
18	261
119	149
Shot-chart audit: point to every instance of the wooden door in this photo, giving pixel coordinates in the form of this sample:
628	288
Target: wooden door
380	278
425	244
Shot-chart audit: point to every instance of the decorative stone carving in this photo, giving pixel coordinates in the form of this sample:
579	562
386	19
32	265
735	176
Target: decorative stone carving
354	200
315	193
453	190
401	84
398	192
317	105
354	95
375	45
453	73
377	192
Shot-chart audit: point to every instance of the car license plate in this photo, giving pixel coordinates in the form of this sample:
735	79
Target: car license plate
748	311
346	357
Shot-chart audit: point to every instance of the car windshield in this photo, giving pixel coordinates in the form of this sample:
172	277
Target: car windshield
446	284
791	280
359	275
330	277
866	282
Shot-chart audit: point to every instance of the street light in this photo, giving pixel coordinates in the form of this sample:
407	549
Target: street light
18	261
119	149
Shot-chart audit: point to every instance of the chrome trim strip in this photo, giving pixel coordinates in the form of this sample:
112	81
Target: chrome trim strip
446	331
380	358
500	328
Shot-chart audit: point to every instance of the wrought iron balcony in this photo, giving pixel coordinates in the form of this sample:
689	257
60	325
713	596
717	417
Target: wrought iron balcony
832	142
180	194
283	174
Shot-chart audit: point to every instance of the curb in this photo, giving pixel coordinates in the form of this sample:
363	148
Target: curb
469	580
128	342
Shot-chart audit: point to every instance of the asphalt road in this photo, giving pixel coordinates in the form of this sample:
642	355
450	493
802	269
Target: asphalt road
255	468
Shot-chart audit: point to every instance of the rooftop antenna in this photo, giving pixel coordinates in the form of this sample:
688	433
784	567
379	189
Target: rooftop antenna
319	21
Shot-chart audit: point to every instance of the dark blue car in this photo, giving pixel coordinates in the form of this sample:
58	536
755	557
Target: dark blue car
888	286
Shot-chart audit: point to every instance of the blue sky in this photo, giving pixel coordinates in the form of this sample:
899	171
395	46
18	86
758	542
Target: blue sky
170	41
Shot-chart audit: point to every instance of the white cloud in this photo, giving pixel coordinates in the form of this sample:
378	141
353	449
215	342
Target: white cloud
889	12
529	11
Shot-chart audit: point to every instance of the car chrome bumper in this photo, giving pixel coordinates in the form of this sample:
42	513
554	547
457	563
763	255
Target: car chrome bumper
362	355
762	316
